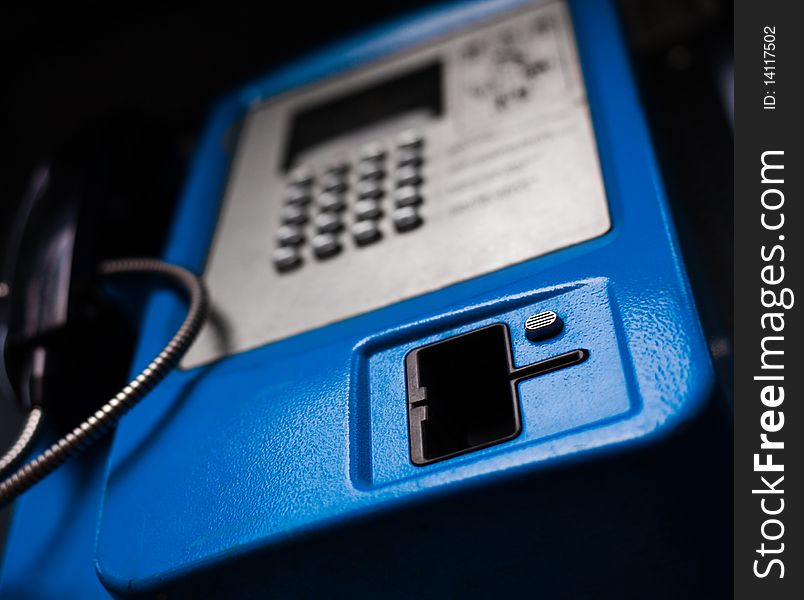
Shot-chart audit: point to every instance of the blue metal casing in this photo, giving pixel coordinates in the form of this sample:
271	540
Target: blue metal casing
311	432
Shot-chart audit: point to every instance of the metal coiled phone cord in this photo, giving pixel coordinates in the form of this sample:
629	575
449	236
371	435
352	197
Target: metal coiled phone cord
107	416
25	439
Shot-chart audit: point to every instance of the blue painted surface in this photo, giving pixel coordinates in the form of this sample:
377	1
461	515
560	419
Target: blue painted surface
310	432
50	550
556	405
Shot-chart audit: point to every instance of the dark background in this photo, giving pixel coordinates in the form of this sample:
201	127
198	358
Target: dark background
763	130
123	90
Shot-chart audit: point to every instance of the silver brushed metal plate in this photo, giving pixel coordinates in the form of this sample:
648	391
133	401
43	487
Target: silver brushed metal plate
510	171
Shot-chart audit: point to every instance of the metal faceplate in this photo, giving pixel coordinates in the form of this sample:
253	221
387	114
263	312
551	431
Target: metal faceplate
509	171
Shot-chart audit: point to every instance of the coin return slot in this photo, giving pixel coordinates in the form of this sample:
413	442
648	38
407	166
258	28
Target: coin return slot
462	392
460	395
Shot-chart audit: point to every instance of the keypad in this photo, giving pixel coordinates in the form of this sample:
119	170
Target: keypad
331	201
366	232
288	235
409	157
369	189
372	170
410	139
287	258
294	214
406	218
409	175
328	223
348	201
373	152
326	245
367	209
300	177
299	195
334	183
408	195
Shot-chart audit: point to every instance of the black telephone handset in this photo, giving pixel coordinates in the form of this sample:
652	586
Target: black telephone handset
65	345
55	321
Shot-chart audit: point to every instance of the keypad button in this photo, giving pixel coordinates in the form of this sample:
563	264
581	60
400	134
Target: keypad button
286	258
407	196
332	182
289	235
325	245
367	209
294	214
298	195
373	152
369	189
331	202
408	176
406	218
410	139
328	222
370	170
338	169
366	232
409	157
300	176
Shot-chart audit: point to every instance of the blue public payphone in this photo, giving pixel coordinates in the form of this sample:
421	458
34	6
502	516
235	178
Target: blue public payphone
441	267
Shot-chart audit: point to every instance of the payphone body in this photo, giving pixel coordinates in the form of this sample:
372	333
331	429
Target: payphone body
453	173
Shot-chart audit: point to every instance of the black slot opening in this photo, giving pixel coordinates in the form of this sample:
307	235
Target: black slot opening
460	395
